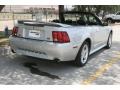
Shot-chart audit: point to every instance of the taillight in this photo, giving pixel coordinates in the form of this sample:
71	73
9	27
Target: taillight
14	31
60	37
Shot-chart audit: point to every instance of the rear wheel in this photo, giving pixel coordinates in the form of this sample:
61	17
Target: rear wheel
109	42
83	54
110	21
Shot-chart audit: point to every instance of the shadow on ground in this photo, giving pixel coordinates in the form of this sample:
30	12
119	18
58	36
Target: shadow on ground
39	66
35	70
58	70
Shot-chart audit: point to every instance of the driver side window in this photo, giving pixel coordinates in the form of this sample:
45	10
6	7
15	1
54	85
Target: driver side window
92	20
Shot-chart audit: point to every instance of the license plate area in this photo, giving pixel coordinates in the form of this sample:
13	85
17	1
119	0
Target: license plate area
34	34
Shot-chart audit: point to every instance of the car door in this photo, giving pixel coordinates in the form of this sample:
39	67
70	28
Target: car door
98	32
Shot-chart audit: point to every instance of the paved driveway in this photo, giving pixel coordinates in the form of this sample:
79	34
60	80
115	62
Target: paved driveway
103	68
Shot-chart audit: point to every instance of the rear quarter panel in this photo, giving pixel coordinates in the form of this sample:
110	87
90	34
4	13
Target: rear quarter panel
77	35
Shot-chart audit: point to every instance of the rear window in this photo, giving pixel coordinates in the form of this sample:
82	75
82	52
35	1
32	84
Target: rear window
75	19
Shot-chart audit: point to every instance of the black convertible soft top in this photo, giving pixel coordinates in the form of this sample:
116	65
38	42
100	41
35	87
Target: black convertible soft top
73	12
76	12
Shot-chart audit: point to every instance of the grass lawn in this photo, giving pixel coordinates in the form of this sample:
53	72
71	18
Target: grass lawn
2	35
3	40
4	43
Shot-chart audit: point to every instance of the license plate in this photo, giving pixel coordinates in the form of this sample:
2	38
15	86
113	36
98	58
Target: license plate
34	33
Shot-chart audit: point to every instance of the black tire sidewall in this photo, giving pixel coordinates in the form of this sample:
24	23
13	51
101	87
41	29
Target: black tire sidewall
77	60
109	20
108	41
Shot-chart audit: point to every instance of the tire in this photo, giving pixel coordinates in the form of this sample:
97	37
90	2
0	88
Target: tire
109	41
110	21
113	22
82	58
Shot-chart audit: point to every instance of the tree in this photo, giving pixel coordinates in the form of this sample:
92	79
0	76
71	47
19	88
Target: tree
1	7
97	8
61	10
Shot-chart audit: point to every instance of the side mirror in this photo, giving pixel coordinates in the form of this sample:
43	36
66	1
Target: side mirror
105	24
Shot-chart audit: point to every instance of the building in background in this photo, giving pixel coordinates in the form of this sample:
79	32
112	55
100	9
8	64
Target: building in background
28	8
11	13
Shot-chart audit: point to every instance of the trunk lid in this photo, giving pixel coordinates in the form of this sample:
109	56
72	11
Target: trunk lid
37	30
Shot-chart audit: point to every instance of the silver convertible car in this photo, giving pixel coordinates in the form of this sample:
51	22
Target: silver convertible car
75	37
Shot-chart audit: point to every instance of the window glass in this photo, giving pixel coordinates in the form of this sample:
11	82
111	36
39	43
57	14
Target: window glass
92	20
75	19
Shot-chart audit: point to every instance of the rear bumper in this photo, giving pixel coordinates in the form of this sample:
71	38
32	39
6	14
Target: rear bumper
43	49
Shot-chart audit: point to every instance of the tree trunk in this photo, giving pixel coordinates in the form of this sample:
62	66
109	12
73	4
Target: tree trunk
61	10
1	7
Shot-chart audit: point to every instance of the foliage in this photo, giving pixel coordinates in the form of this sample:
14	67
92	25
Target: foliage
97	8
1	7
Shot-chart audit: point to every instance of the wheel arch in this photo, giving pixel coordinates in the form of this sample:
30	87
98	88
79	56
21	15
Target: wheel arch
86	40
89	41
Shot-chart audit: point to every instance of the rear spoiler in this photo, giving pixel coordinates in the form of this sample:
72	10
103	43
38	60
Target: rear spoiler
35	23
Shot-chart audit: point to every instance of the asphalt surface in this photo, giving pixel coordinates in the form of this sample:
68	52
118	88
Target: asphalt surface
103	67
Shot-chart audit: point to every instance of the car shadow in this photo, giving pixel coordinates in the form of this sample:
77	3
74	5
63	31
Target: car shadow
35	70
47	68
